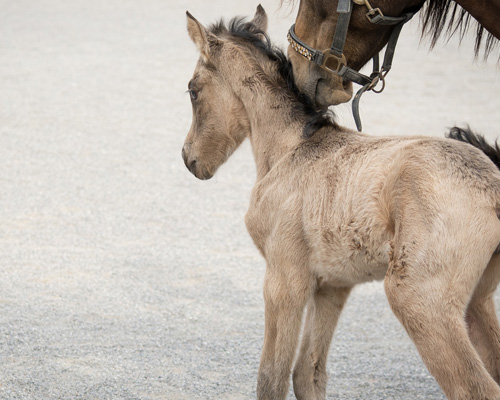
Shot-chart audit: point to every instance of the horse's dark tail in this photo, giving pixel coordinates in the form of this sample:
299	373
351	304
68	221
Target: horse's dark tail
466	135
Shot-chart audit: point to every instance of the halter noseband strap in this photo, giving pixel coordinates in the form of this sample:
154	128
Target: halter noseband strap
333	59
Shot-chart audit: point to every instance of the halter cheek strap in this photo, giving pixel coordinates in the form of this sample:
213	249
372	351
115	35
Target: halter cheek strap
344	9
333	59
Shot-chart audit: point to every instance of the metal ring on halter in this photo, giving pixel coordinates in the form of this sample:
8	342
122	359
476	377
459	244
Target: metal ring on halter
375	83
377	77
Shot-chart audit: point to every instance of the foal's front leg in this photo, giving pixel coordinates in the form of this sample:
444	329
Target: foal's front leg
323	312
286	291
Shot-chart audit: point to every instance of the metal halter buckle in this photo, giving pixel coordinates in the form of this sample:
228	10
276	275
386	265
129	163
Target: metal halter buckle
332	62
374	15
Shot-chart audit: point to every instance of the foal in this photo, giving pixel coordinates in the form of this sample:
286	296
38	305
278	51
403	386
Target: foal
333	208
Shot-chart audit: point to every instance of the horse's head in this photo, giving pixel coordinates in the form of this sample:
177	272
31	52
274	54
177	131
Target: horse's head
220	122
315	26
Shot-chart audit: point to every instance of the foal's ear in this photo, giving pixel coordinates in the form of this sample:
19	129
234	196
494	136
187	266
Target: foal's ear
198	34
260	19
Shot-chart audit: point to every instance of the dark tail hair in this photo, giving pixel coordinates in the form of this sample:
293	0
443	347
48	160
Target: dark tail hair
467	136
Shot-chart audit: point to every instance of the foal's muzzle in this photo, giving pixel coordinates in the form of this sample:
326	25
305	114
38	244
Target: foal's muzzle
193	165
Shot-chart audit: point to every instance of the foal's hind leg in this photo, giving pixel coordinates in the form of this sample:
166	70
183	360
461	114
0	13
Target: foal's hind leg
482	321
429	291
309	375
286	291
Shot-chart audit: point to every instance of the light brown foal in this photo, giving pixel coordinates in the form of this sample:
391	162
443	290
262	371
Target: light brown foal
333	208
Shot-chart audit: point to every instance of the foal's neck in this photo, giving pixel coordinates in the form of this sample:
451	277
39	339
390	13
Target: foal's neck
276	127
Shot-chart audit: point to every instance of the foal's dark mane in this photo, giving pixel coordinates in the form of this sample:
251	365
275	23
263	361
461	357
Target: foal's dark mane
440	14
241	29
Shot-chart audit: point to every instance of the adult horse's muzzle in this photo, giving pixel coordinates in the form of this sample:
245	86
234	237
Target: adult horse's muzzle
323	88
332	93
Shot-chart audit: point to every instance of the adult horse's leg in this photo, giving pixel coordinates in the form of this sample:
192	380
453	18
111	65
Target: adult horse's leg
429	290
323	312
482	321
287	288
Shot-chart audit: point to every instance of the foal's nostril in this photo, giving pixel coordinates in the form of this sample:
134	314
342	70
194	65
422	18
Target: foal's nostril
192	166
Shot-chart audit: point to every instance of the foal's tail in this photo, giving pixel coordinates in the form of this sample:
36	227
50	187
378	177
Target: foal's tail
476	140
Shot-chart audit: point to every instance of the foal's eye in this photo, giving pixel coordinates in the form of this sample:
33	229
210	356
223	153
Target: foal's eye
193	94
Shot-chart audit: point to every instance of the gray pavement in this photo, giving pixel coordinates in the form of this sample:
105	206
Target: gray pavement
124	277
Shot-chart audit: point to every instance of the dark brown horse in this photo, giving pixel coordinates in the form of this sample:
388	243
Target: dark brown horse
368	29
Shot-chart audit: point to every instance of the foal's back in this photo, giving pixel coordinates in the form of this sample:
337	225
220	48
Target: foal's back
349	195
339	160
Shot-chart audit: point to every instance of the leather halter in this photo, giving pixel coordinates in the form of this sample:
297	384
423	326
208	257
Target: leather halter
333	59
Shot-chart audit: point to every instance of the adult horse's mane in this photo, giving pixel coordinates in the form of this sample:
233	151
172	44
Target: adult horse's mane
246	31
440	14
446	15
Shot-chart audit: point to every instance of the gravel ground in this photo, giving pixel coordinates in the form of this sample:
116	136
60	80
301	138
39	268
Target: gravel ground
124	277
